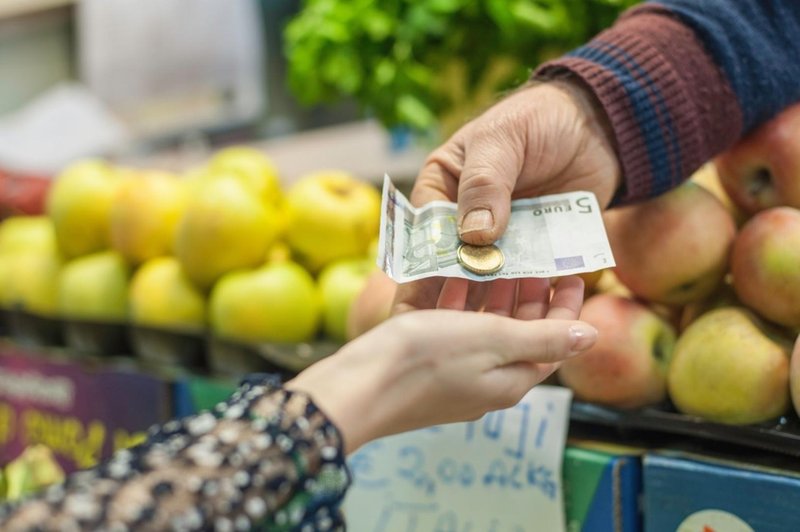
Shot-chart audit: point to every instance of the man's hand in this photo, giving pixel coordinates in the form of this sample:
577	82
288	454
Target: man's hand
543	139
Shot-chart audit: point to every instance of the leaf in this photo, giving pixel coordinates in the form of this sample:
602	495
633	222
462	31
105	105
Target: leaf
378	25
445	6
385	72
343	70
412	111
545	19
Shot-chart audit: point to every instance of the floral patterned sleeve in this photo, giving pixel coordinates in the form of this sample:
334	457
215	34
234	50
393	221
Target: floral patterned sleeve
267	459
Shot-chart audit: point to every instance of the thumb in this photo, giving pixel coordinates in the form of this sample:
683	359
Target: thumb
492	164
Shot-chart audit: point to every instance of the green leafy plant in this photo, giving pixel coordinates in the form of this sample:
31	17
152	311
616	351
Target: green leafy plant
411	62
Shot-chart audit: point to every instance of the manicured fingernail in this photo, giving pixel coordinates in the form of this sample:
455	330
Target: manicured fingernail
583	337
477	220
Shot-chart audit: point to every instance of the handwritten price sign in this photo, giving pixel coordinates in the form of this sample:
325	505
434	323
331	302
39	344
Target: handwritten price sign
499	474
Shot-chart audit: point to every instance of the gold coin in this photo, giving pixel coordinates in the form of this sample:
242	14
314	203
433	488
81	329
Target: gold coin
482	260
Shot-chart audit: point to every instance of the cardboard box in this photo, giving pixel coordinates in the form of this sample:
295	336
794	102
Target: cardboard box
602	487
687	493
81	410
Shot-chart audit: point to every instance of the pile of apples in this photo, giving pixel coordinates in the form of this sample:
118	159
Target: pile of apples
225	247
703	307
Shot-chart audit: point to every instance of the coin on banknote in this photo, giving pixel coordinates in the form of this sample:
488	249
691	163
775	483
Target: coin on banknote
482	260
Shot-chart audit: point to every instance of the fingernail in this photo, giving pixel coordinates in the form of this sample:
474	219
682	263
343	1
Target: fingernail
477	220
583	337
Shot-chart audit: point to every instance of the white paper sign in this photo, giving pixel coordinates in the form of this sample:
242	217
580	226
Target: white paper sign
499	474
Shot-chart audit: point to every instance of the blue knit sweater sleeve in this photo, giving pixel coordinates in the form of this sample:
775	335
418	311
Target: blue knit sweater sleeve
757	45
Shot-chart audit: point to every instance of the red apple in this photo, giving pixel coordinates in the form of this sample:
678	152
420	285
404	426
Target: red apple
372	306
627	366
765	263
763	169
794	375
672	249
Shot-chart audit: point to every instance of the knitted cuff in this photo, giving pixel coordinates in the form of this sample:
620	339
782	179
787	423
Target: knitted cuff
669	106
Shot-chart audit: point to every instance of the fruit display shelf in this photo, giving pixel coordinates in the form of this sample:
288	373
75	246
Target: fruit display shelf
201	353
192	350
662	423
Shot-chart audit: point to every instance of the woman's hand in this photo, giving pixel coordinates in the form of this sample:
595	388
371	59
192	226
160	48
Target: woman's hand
441	366
543	139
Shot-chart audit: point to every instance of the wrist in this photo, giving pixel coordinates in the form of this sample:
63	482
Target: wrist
591	109
346	396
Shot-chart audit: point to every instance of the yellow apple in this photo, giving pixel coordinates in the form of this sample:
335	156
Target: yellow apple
609	283
340	283
707	177
32	281
225	226
729	367
279	252
253	167
724	296
162	296
79	203
278	302
331	215
6	282
27	233
145	213
94	287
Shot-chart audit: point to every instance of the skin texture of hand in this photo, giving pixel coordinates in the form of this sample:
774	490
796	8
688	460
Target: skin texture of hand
441	366
542	139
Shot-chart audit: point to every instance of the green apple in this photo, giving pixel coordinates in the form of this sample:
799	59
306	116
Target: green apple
145	214
729	367
94	287
161	295
253	167
32	281
278	302
27	233
225	226
331	215
340	283
79	203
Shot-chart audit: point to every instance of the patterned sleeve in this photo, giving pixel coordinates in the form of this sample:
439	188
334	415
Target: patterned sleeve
266	459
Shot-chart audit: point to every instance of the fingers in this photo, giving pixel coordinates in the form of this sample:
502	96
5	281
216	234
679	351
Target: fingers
532	299
453	294
438	179
500	296
543	341
417	295
567	299
492	164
